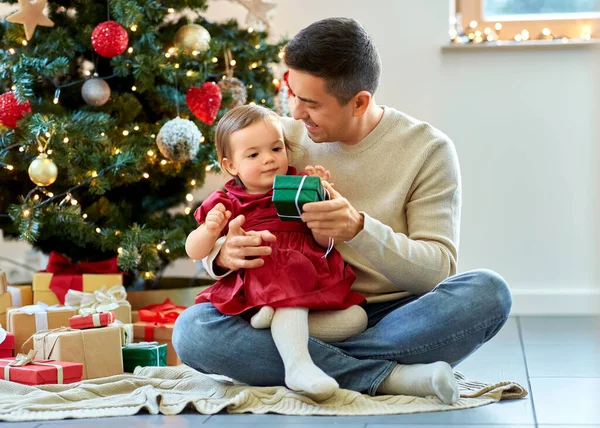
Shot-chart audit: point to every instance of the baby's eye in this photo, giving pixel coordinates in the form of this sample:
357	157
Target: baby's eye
253	155
277	149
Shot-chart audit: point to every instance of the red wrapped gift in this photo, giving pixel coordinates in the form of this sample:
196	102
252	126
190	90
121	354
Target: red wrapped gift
92	320
24	369
7	343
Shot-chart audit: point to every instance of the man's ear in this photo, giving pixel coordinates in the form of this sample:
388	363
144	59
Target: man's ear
229	167
361	102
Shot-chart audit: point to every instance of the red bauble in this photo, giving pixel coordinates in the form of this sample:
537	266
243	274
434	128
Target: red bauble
11	110
109	39
204	101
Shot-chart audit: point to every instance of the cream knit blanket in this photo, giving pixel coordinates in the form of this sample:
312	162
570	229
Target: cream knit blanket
168	390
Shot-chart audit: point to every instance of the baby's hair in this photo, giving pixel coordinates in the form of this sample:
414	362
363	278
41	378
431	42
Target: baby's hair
239	118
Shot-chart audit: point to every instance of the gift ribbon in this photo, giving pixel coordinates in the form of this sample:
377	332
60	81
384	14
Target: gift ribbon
158	315
126	332
15	296
40	311
96	319
25	359
3	335
68	275
97	302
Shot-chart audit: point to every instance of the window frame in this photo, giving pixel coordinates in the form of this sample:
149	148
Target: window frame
571	28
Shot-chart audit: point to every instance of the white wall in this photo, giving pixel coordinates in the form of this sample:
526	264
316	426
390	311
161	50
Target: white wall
523	122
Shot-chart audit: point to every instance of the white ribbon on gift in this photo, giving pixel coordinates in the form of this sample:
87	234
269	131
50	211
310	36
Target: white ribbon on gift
97	302
330	242
22	360
126	332
15	296
3	335
40	311
147	345
96	319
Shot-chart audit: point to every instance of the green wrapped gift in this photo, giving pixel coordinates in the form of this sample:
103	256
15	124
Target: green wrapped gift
144	354
290	192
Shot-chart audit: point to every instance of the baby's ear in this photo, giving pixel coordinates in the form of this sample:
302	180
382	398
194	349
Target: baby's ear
229	167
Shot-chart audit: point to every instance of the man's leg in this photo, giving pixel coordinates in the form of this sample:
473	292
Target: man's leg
447	324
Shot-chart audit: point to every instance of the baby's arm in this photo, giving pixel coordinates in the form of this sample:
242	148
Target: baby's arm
199	243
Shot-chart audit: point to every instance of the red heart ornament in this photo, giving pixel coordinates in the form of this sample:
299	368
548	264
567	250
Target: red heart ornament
204	101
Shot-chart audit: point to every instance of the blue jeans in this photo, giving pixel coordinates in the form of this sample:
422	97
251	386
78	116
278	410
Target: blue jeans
447	324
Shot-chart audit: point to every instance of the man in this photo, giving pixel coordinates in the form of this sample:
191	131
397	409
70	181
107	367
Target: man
394	215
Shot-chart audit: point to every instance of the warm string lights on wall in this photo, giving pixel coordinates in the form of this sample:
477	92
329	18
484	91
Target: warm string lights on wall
492	34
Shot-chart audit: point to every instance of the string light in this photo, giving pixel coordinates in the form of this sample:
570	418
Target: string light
250	29
136	128
134	88
21	149
146	175
257	47
167	251
168	55
208	168
11	51
26	213
66	140
120	250
9	167
195	53
133	27
171	10
126	133
187	210
159	247
163	162
130	50
473	24
202	139
98	230
24	42
193	182
189	197
189	73
84	215
94	174
233	62
36	197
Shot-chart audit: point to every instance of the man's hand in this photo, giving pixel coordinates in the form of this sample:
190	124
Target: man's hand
243	250
335	218
216	219
319	171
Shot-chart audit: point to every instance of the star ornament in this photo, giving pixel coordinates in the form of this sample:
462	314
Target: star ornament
31	15
261	9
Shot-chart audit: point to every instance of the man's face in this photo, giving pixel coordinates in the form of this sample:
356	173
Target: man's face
325	119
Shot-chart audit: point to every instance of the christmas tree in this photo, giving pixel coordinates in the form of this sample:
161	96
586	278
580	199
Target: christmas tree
107	118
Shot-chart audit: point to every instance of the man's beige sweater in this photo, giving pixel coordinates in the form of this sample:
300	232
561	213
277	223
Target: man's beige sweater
405	178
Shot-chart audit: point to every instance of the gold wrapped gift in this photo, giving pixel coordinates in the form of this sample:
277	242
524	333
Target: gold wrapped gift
26	321
98	349
91	283
14	297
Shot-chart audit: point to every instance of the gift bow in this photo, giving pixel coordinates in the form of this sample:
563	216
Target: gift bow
68	275
98	301
158	315
24	359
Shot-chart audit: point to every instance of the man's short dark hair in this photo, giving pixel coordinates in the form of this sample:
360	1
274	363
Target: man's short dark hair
340	51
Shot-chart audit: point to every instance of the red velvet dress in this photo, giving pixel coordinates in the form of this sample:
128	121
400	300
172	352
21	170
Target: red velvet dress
295	274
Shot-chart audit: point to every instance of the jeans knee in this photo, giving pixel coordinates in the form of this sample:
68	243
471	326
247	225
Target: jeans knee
190	329
495	291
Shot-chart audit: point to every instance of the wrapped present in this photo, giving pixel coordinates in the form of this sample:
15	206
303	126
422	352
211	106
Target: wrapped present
62	275
82	322
126	332
26	321
180	296
103	300
7	343
3	282
14	297
98	349
24	369
290	192
144	354
156	324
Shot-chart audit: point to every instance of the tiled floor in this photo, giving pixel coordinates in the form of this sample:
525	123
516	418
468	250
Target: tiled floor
556	358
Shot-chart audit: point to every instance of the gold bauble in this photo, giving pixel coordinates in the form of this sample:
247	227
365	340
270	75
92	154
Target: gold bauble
234	88
43	171
192	37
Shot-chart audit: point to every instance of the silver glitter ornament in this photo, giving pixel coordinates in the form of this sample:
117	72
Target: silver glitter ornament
95	92
179	140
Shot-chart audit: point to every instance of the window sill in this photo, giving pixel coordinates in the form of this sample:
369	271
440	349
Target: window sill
511	45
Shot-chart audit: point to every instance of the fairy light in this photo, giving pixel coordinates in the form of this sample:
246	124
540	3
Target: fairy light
146	175
168	55
171	10
163	162
167	251
195	53
120	250
13	87
254	65
50	194
252	103
21	149
73	202
134	88
150	153
147	275
280	55
586	34
171	50
84	215
26	213
518	38
98	230
55	100
189	73
250	86
256	46
24	42
11	51
134	28
187	210
189	197
546	32
94	174
473	24
250	29
525	35
102	134
232	62
487	31
130	50
263	101
208	168
48	135
564	40
176	65
117	151
9	167
136	128
40	149
193	182
159	247
36	197
125	133
202	139
49	152
66	140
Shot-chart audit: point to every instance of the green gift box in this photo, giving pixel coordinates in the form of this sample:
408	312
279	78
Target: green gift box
144	354
290	192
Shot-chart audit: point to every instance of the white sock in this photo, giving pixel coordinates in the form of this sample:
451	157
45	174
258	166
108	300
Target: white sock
337	326
290	333
421	380
263	318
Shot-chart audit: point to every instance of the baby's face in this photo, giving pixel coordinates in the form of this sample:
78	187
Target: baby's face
258	154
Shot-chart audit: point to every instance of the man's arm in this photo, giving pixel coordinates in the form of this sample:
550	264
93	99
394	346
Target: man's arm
417	261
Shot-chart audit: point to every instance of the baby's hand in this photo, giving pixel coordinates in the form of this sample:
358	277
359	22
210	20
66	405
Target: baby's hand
319	171
216	219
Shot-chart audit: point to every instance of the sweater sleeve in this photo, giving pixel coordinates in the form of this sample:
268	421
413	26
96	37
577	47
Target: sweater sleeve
419	260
